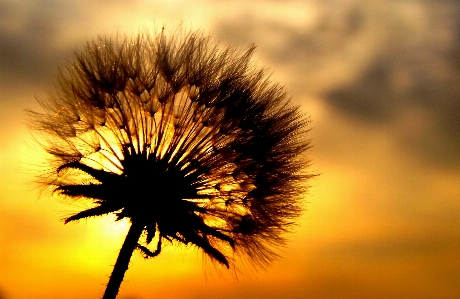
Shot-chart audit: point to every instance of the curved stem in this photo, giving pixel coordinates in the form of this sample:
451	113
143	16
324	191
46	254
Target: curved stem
122	262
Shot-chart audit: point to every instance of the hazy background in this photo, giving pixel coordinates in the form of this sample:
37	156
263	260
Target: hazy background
381	81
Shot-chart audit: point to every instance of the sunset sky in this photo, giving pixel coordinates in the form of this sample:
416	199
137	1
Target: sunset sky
380	80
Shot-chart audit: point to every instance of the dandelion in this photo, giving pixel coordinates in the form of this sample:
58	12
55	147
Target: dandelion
192	144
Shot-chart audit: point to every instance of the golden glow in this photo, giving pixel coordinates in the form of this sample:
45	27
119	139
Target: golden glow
351	212
379	223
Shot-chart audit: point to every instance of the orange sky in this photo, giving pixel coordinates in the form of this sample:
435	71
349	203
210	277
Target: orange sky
381	81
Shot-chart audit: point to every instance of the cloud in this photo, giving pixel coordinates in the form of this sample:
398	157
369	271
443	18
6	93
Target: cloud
30	51
381	63
378	62
416	70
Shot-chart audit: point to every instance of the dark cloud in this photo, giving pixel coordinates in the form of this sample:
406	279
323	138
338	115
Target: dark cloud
29	50
354	99
413	73
304	44
375	63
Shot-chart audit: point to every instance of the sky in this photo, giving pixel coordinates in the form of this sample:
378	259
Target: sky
380	80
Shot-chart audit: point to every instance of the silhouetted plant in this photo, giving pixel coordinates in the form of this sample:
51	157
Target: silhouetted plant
191	143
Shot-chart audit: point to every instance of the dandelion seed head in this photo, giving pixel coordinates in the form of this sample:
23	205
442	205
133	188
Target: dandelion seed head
192	141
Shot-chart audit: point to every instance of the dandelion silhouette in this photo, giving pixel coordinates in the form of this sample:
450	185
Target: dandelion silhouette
192	144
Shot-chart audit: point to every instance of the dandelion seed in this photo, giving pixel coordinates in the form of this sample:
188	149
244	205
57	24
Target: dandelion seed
192	144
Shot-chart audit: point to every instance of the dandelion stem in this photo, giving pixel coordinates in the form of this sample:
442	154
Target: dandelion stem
122	263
